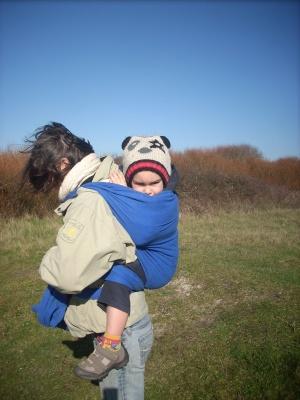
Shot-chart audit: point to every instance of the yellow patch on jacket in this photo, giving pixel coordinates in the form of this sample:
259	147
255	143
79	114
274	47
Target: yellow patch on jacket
71	231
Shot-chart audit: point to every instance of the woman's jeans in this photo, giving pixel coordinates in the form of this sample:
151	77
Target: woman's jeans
128	382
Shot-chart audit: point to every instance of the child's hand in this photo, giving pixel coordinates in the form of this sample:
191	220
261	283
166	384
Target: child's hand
118	178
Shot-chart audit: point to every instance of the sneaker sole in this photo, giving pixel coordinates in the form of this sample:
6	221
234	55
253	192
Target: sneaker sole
80	373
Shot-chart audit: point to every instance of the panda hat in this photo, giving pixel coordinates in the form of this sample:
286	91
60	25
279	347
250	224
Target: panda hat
146	153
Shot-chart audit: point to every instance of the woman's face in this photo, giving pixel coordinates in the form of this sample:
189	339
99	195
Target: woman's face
147	182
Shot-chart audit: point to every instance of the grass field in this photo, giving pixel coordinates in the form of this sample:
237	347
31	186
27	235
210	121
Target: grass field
227	327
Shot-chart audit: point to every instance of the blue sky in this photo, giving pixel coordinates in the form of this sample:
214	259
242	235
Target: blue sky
202	73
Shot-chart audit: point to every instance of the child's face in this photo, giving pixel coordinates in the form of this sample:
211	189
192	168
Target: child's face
147	182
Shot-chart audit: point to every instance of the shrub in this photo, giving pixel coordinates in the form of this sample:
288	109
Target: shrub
241	152
16	200
225	177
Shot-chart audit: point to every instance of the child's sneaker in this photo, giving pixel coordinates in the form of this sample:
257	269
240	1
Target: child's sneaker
101	362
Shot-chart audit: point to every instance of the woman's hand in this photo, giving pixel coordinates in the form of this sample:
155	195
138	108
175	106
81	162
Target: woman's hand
118	178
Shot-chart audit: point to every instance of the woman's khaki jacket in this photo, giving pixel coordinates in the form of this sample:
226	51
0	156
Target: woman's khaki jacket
87	245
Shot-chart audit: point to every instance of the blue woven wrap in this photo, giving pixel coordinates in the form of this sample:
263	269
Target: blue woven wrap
151	221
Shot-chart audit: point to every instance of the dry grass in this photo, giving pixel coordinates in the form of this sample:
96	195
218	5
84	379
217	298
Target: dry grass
232	177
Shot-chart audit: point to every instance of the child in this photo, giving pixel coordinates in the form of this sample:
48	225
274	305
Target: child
147	169
93	238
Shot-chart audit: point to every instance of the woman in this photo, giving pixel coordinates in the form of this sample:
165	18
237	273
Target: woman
60	159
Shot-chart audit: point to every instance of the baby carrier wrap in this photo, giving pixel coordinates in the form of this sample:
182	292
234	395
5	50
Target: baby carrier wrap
151	221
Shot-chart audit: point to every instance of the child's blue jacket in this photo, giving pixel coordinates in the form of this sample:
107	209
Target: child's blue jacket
151	221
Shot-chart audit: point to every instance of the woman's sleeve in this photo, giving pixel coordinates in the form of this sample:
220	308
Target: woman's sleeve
87	245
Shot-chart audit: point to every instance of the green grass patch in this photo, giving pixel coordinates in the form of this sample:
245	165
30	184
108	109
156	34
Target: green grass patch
226	327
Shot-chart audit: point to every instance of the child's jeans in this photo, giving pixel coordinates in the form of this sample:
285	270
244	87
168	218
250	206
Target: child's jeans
128	382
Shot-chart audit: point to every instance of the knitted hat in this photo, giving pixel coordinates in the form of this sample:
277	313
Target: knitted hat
146	153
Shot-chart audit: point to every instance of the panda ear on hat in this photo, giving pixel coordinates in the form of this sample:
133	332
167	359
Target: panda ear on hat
166	141
125	142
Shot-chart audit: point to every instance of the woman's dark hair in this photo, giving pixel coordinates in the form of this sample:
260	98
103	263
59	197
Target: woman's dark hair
47	147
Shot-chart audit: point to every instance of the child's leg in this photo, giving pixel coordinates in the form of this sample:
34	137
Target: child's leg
109	353
115	324
116	320
114	298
